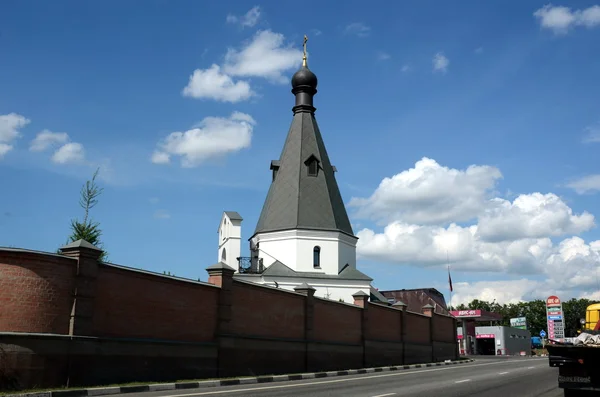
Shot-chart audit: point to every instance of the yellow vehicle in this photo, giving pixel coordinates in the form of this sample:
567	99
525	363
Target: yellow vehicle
592	315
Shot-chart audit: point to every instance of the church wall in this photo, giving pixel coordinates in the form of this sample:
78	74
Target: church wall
294	248
135	325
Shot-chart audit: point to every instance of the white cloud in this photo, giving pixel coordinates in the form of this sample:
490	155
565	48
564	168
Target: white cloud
560	19
316	32
586	184
46	139
71	152
427	194
10	124
266	56
440	63
405	68
502	291
532	215
247	20
358	28
479	50
211	83
422	207
214	137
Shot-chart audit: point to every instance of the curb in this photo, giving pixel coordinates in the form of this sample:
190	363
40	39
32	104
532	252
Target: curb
104	391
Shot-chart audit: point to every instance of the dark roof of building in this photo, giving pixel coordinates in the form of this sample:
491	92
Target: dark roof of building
234	216
415	299
297	200
376	296
278	269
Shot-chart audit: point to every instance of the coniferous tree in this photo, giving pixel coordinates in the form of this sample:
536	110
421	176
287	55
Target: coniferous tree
88	229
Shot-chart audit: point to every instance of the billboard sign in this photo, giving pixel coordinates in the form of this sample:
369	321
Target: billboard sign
554	314
519	322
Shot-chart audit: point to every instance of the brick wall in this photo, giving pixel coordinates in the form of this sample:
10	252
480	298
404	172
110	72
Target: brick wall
35	292
138	304
241	328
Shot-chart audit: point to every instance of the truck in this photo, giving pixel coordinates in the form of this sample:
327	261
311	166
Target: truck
579	362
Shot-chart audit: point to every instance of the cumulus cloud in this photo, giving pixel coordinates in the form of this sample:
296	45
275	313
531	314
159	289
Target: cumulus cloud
211	83
586	184
435	214
266	55
560	19
440	63
430	193
358	29
10	124
71	152
213	137
47	139
248	20
68	152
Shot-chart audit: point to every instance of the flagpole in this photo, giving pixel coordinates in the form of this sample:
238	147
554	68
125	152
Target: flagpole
449	279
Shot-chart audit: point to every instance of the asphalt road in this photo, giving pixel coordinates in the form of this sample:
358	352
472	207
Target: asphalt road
522	377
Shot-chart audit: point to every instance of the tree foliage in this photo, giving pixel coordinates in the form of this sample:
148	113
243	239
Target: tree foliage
535	312
88	229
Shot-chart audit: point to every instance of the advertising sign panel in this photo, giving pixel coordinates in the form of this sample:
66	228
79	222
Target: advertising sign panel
519	322
554	314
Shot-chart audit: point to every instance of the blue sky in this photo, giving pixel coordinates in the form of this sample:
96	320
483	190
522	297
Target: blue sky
412	91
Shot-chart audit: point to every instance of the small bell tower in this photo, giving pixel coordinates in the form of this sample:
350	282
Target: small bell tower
230	238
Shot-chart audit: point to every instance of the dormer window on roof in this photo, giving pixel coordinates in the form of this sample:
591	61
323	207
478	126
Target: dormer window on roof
312	166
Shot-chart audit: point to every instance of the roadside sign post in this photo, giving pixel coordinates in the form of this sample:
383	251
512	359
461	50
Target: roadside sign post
543	336
555	316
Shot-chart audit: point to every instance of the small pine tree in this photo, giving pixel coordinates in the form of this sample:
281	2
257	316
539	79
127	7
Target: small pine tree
88	230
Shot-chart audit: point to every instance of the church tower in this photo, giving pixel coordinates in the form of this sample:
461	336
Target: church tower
303	223
230	238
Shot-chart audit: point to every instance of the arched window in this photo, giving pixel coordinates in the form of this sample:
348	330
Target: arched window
224	255
317	256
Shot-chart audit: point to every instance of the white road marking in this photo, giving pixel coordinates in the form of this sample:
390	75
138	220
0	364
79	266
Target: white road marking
345	379
384	395
502	373
462	381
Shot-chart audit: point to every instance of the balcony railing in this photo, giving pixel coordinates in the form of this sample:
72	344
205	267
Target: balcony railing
248	265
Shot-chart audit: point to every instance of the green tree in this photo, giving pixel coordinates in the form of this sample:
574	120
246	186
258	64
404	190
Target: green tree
88	229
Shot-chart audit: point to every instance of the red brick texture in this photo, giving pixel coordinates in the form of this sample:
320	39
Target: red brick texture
35	292
140	305
244	328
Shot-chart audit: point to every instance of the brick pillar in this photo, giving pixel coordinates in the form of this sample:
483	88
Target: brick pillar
361	299
221	275
402	307
428	311
309	315
84	294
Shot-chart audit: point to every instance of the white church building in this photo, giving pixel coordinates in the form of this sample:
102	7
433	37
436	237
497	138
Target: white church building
303	234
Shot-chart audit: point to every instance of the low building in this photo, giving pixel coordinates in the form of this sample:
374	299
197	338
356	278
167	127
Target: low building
499	340
416	298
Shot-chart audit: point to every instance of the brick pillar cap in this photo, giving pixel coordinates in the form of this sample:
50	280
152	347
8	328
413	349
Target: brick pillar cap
220	267
304	287
80	244
428	306
399	304
360	294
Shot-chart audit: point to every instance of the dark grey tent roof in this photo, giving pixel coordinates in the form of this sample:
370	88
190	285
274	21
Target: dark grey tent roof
296	199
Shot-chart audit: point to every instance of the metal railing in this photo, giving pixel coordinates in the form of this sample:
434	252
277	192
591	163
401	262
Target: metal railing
249	265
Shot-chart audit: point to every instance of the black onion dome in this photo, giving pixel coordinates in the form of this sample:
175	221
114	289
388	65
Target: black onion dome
304	77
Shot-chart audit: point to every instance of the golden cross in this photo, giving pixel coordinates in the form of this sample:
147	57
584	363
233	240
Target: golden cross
304	56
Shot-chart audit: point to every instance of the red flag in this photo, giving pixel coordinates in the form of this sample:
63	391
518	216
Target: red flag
449	279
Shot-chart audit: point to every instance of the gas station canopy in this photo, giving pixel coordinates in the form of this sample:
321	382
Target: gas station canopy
475	315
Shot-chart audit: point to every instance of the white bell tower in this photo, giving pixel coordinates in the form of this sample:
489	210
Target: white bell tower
230	238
